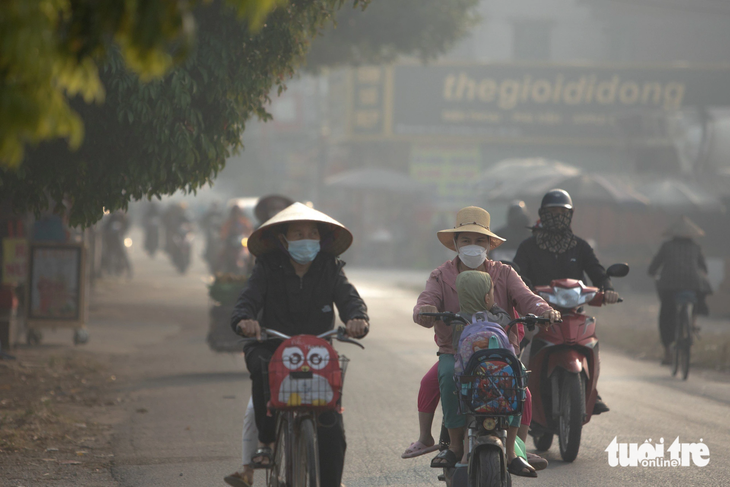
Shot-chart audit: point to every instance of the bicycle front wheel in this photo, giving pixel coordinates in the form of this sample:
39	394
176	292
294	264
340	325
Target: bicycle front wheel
686	341
306	456
281	471
682	343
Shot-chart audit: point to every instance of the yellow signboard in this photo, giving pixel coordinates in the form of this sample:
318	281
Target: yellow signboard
15	260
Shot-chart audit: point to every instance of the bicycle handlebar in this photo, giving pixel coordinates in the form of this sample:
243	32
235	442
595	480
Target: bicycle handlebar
339	334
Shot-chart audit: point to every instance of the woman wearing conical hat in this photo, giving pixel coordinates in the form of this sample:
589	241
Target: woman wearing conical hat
295	285
681	267
471	238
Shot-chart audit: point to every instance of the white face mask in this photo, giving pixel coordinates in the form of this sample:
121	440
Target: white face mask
473	255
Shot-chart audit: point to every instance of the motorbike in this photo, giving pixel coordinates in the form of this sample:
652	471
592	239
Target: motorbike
564	365
180	250
486	427
114	254
152	235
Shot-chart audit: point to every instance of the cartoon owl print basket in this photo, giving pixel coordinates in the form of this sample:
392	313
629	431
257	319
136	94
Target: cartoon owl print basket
306	372
493	384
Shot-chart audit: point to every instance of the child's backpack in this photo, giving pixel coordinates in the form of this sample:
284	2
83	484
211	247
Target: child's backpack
490	378
305	372
477	336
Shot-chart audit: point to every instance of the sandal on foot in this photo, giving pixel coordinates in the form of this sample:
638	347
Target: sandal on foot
445	459
518	466
236	480
537	462
417	448
263	453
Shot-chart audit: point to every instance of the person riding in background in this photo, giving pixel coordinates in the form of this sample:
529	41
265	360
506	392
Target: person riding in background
514	232
268	206
472	239
555	252
236	224
295	284
683	268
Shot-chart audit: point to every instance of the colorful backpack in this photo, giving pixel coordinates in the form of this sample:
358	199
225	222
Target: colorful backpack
305	372
490	378
477	336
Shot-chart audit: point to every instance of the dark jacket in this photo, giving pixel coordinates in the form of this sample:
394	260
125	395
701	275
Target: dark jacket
538	267
283	301
681	261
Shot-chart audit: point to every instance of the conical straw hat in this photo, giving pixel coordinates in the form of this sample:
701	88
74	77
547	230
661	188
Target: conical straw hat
470	219
684	227
336	239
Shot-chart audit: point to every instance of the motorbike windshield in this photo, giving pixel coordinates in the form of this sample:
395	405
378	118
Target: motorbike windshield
567	298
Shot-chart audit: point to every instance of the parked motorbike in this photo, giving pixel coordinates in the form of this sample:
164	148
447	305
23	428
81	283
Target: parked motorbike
181	248
490	375
564	365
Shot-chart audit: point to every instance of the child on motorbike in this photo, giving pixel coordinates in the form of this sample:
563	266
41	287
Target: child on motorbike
472	240
476	300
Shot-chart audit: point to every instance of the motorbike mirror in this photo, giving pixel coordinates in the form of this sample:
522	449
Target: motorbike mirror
618	270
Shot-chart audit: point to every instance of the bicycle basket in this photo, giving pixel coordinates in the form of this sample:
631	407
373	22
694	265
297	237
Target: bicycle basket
305	372
493	384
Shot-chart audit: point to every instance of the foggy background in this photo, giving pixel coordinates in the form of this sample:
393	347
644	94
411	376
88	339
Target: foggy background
372	147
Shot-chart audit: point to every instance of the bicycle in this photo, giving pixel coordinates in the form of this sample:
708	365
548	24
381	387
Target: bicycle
684	332
298	394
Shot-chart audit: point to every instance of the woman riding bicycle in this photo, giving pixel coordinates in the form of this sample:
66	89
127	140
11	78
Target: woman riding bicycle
683	268
295	283
471	238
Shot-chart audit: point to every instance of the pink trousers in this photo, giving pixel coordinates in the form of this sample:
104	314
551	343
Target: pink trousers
429	395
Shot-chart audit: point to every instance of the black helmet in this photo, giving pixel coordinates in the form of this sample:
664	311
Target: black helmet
557	198
517	214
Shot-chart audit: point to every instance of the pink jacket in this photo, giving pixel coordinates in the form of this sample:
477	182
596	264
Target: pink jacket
509	292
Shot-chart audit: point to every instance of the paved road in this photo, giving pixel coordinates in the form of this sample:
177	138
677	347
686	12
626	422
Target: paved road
181	421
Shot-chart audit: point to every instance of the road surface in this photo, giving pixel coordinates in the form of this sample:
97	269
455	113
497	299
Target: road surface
180	421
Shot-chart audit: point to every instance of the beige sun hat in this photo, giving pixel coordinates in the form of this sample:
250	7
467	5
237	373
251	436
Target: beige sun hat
335	240
471	219
684	227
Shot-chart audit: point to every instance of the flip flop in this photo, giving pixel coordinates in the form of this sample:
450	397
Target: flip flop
236	480
518	466
417	449
445	459
537	462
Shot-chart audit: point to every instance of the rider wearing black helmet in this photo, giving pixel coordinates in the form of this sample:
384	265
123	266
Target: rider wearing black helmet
554	252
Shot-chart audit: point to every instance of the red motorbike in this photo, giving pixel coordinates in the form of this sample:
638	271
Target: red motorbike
564	365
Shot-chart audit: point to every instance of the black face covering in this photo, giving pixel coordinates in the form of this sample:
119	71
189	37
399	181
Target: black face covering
555	235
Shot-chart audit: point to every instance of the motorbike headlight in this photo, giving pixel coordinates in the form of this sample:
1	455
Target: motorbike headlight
127	242
567	298
244	241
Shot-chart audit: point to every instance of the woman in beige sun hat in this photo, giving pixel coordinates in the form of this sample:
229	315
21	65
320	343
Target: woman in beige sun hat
683	268
472	238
